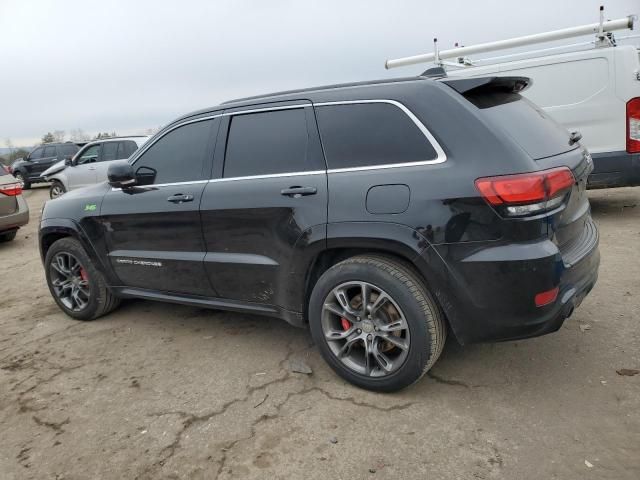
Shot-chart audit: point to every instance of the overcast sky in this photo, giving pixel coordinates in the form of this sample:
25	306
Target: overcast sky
128	65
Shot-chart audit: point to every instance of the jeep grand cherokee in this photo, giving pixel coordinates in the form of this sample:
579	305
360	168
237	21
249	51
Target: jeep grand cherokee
382	215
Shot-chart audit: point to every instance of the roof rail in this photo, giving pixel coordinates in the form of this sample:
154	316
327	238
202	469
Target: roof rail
600	29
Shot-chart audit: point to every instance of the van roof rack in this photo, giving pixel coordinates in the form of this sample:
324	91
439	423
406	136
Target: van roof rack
603	31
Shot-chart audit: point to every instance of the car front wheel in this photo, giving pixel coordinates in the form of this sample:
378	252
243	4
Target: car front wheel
21	178
76	285
375	322
57	189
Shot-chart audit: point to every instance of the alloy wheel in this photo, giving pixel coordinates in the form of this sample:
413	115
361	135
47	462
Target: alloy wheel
56	191
365	329
70	281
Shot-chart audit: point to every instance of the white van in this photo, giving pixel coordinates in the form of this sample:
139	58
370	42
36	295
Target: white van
595	91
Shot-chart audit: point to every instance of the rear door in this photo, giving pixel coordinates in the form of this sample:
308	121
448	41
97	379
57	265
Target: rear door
83	173
267	201
153	232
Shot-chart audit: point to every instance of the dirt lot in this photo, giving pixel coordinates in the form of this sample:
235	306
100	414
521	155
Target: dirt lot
165	391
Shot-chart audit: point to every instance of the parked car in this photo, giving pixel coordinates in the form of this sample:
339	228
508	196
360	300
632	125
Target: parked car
14	211
28	170
90	164
381	215
594	91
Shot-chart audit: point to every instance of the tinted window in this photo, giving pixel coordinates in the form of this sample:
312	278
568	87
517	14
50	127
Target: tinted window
126	148
179	156
49	152
68	150
89	155
37	153
359	135
267	143
537	133
109	151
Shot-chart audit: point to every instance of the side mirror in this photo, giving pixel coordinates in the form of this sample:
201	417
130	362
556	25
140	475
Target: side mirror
67	160
121	175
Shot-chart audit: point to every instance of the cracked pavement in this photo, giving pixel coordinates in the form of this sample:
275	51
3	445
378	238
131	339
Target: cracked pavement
156	391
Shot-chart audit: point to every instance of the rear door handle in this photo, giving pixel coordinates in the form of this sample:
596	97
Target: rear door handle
180	198
297	192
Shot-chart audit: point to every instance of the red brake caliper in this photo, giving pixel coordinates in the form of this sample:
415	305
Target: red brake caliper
83	274
346	324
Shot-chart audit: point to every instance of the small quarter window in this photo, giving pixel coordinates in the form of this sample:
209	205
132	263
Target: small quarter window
267	143
370	134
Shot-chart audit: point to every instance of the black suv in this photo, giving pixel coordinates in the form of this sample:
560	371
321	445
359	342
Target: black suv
28	170
381	215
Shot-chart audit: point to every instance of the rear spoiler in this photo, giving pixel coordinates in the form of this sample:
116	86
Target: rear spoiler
471	86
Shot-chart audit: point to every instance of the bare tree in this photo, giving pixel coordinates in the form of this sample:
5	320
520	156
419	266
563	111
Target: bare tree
78	135
59	135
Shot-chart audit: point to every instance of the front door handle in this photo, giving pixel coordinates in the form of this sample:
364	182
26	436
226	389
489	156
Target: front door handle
180	198
297	192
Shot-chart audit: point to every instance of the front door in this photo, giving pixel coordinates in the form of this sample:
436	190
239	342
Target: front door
153	231
83	173
266	204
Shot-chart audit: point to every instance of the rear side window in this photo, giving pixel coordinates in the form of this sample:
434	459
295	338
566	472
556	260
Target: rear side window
109	151
126	148
267	143
68	150
370	134
179	156
37	153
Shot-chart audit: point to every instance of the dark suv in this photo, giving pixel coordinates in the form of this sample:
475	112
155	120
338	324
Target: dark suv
28	170
381	215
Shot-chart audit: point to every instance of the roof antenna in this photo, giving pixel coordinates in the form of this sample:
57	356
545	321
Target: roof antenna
436	54
601	28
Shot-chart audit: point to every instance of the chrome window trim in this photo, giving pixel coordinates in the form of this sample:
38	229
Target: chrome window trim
268	175
153	185
441	157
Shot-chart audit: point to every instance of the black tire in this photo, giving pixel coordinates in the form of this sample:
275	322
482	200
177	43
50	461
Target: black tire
101	300
8	236
56	186
26	185
424	318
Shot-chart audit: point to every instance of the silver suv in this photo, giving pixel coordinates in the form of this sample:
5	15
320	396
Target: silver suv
90	164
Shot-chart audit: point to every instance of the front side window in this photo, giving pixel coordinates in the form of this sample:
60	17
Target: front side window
179	156
109	151
36	154
49	152
370	134
267	143
90	154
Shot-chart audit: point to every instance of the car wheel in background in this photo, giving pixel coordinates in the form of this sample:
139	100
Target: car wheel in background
57	189
375	322
8	236
76	285
25	185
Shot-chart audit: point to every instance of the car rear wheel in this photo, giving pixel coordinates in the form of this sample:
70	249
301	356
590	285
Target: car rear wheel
57	189
375	322
8	236
21	178
76	285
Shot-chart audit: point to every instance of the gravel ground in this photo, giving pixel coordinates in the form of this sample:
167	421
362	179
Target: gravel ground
165	391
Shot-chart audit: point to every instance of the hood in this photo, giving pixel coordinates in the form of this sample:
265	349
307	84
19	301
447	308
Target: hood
55	168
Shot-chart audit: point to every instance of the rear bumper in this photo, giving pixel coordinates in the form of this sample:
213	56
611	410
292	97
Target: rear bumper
615	169
489	291
17	219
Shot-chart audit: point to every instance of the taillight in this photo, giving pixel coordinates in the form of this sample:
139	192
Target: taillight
633	125
11	189
527	193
